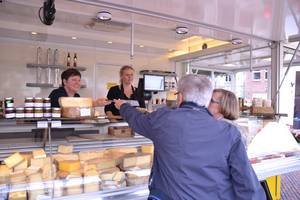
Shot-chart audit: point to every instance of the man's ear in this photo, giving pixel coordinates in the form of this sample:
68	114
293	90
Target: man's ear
179	99
64	81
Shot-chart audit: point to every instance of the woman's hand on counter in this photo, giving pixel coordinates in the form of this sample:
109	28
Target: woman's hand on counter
118	103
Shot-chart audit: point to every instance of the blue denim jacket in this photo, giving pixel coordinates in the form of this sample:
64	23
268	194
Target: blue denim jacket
196	156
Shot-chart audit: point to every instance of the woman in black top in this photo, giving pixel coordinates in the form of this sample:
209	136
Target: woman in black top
124	91
70	85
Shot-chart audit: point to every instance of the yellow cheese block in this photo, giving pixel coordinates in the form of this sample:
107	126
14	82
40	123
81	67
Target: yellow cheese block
65	149
17	195
79	102
27	156
149	148
69	166
4	173
21	166
38	153
105	164
13	160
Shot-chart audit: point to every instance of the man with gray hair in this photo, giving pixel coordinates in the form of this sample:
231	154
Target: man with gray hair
195	155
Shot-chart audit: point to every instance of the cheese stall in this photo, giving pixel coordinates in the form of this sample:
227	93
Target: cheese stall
76	151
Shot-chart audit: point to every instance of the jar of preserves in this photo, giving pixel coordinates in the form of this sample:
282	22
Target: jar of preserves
10	113
38	102
9	102
38	112
56	112
29	102
20	113
29	113
47	102
47	112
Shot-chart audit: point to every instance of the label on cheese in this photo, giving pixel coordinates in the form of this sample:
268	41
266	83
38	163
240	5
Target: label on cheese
85	112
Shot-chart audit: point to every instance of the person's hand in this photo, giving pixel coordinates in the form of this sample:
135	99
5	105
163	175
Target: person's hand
118	103
102	102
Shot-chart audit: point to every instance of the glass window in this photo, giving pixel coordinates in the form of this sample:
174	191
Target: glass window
256	75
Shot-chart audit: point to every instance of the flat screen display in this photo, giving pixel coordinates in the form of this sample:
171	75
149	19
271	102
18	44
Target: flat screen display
154	83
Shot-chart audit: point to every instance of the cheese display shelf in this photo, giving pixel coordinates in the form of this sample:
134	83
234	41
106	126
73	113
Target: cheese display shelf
80	166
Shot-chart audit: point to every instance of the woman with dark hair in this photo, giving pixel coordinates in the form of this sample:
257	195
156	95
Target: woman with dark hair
71	82
124	91
70	85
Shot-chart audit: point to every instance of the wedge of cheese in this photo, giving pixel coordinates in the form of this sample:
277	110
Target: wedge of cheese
65	149
13	160
138	160
38	153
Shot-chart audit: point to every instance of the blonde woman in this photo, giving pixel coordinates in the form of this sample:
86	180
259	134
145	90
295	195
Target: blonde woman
224	106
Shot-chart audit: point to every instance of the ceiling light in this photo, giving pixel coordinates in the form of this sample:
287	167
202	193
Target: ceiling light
74	38
181	30
104	16
141	46
109	42
236	41
33	33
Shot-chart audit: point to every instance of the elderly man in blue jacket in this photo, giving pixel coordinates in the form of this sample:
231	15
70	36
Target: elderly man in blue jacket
196	156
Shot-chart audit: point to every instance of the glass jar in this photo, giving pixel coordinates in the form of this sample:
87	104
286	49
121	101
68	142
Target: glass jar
47	102
56	112
38	102
9	102
47	112
10	113
38	112
29	102
20	113
29	113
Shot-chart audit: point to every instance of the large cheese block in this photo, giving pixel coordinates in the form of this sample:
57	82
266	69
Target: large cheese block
115	176
69	166
48	172
40	162
32	170
4	173
118	153
21	166
38	153
102	163
75	102
17	177
137	177
91	181
89	155
138	160
17	195
62	157
13	160
65	149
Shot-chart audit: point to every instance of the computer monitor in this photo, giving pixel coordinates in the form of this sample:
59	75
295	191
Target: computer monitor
154	82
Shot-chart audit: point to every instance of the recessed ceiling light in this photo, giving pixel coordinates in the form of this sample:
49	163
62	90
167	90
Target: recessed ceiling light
236	41
33	33
141	46
104	16
181	30
74	38
109	42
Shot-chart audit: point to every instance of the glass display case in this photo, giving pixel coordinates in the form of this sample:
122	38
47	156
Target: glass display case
96	159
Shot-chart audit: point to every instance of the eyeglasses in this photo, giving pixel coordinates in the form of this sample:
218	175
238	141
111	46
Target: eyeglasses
214	101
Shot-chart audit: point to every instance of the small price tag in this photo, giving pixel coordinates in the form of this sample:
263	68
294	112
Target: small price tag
42	124
55	124
84	112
